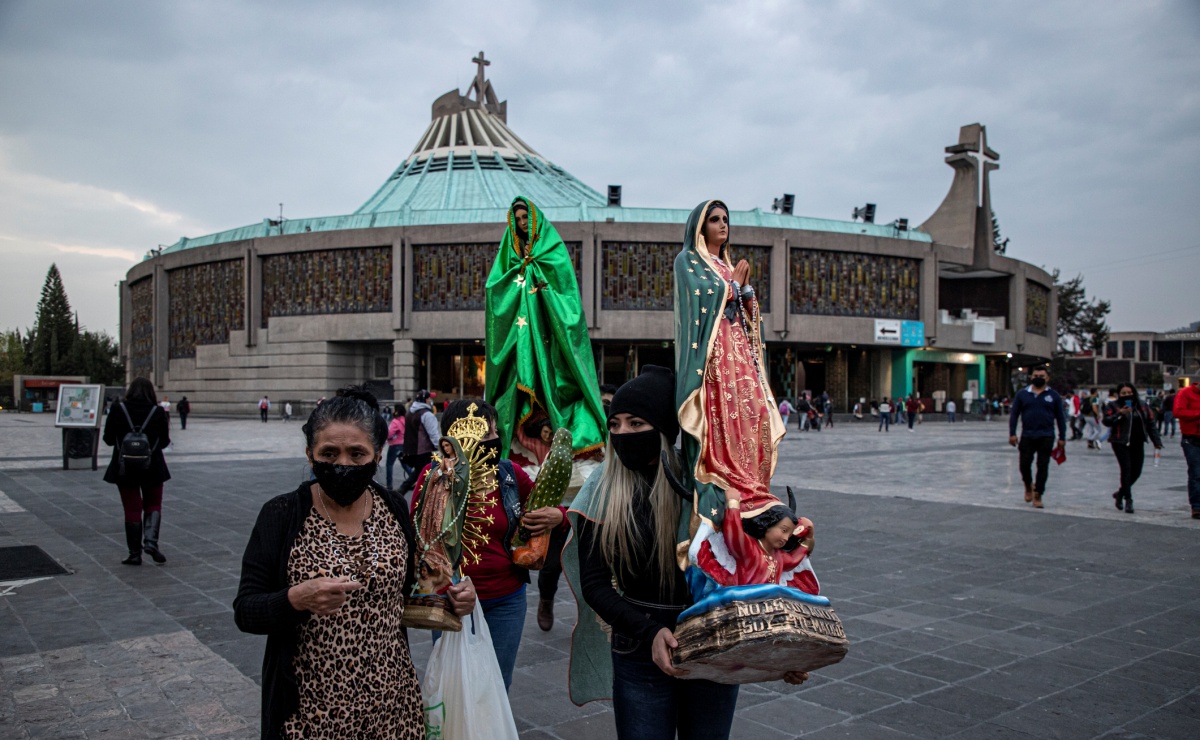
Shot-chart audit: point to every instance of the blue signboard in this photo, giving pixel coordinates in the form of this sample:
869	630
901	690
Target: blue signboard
912	333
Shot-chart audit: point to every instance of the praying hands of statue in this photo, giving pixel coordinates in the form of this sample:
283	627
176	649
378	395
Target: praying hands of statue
741	273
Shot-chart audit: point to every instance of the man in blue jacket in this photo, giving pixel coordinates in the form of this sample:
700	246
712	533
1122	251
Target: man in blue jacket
1040	409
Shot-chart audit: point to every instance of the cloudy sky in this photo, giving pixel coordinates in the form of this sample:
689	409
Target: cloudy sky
125	125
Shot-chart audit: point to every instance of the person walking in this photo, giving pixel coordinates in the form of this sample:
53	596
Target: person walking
950	410
184	408
885	415
395	443
287	410
421	434
138	430
1167	428
1088	411
1039	409
1186	408
802	408
785	410
264	407
1132	423
827	409
620	561
912	408
324	577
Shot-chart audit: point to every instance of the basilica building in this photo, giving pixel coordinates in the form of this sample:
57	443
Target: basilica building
392	295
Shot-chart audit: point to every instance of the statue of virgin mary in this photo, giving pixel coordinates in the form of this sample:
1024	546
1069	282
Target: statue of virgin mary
730	422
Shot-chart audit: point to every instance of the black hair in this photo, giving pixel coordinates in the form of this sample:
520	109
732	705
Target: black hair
1137	401
607	388
141	390
353	404
458	409
757	526
533	427
399	410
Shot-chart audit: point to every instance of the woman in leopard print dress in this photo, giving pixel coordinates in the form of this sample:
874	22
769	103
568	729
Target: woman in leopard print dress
324	577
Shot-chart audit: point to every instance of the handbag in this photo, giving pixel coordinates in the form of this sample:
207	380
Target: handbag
463	691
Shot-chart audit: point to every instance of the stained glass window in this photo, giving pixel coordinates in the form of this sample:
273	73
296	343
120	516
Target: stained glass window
452	277
141	346
328	281
1037	309
207	302
828	283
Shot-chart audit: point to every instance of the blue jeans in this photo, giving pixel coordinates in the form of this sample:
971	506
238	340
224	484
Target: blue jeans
650	705
505	619
884	420
950	416
1191	453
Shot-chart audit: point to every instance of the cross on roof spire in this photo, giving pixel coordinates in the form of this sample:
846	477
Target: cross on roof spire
480	81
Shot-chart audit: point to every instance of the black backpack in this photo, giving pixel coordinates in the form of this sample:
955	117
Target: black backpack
135	450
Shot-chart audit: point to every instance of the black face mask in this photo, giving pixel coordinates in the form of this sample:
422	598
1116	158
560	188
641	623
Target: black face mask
344	483
637	450
1039	382
491	444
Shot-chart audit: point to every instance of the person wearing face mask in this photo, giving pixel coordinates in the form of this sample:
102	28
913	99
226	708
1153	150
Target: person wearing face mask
1132	424
1039	409
499	583
324	577
620	562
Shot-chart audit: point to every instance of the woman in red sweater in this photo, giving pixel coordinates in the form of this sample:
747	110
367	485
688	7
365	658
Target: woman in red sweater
499	584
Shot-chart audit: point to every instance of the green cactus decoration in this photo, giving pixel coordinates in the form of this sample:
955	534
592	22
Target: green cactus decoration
552	481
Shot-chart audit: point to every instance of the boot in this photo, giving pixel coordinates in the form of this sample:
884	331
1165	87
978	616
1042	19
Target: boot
1129	503
1118	497
545	614
1028	493
1037	500
133	540
151	521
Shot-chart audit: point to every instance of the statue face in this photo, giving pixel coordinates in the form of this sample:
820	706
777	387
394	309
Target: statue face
777	536
521	216
547	435
716	229
447	449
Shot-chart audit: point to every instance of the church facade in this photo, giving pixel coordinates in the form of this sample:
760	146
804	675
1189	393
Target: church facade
392	294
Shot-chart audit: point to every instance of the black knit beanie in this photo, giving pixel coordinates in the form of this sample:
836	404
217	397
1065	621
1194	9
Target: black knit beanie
649	396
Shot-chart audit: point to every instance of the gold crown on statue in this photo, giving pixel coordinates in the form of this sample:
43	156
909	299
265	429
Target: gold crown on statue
469	427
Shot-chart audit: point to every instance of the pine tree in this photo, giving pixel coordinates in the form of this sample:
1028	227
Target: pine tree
54	331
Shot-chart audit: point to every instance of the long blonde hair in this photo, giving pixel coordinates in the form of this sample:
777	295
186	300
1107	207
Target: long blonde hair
620	528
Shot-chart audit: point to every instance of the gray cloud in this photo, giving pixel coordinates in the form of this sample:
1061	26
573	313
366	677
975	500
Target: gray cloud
126	124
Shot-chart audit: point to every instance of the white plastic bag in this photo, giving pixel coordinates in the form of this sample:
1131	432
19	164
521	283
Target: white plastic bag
463	690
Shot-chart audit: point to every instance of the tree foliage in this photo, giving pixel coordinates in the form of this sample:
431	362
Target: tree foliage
54	330
1082	323
57	345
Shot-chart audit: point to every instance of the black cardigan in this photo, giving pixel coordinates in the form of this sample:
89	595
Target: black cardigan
261	606
158	431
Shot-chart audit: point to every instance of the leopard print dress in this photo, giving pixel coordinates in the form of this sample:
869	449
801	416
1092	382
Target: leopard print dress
353	667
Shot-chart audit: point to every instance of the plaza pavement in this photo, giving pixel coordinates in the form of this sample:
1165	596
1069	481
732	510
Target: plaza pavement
970	614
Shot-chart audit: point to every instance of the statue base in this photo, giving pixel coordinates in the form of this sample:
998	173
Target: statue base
430	612
755	641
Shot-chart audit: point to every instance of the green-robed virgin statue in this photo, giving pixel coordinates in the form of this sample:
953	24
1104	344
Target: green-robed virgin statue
540	371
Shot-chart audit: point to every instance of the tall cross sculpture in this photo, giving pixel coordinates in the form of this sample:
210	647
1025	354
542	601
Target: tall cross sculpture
981	155
480	80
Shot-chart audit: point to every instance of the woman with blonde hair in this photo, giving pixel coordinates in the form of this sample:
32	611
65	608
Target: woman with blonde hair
621	565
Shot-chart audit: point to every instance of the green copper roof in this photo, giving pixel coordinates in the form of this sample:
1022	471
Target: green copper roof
556	214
